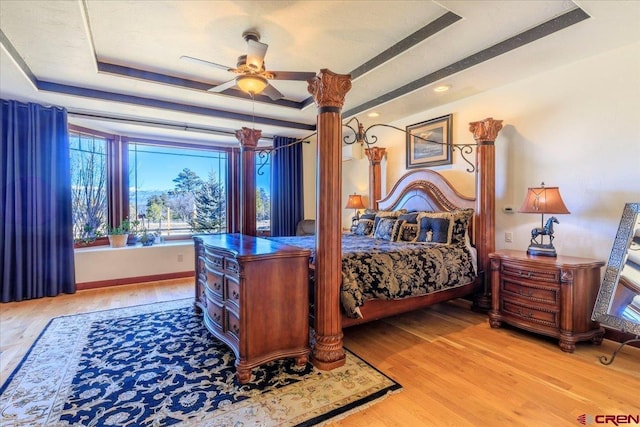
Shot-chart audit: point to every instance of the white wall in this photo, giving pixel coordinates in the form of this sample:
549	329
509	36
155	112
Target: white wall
101	263
575	127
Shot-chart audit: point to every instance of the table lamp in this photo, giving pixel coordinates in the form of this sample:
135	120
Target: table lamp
543	200
355	202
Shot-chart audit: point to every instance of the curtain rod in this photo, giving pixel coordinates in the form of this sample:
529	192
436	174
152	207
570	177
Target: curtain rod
167	125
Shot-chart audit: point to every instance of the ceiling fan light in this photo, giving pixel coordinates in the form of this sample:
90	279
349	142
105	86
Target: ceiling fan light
251	84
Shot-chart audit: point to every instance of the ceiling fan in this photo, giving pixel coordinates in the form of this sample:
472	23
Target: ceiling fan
252	77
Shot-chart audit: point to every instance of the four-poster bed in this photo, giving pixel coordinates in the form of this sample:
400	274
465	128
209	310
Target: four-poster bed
421	190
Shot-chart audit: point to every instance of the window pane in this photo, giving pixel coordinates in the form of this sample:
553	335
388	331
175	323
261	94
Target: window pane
89	185
263	192
174	191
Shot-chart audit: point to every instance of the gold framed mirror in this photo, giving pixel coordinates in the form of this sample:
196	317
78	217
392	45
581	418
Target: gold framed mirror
618	302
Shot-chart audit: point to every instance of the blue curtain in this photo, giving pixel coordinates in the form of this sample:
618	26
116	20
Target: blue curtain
36	241
287	203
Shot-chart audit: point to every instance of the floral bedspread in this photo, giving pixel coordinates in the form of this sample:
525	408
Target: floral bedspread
380	269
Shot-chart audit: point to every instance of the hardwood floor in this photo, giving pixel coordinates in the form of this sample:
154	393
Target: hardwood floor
455	370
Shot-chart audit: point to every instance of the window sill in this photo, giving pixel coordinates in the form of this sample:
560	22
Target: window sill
136	246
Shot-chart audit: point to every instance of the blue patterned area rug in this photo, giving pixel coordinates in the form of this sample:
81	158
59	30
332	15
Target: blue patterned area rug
157	365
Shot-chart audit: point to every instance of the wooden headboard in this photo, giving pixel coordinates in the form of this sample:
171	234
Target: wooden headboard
427	190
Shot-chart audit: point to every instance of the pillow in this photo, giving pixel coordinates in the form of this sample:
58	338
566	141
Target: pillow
407	232
384	228
364	227
433	224
410	217
386	214
460	220
434	229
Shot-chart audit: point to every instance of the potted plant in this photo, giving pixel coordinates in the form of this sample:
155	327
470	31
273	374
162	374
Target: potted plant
147	238
118	235
88	236
132	226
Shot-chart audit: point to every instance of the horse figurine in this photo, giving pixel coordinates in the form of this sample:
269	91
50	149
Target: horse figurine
547	230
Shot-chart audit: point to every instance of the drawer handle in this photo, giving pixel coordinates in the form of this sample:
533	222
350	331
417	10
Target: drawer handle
217	286
527	275
529	315
236	329
235	294
216	317
525	294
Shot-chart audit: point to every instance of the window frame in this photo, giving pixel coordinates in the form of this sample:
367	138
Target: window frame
126	140
117	176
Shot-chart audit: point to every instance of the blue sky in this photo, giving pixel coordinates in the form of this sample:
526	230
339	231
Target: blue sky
159	166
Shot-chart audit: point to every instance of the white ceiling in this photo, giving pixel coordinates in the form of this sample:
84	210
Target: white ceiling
53	50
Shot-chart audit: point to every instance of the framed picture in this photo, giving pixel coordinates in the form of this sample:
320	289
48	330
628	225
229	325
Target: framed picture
429	143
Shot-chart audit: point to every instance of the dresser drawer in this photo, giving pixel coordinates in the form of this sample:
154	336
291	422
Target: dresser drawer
232	325
530	314
215	282
232	291
214	260
231	266
526	272
549	295
215	313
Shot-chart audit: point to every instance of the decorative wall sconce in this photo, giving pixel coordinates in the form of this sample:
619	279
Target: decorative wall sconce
543	200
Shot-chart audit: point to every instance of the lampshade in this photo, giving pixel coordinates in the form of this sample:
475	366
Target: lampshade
251	83
354	202
543	200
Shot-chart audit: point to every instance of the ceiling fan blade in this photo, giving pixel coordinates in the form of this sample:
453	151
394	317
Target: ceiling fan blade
207	63
292	75
272	92
222	87
255	54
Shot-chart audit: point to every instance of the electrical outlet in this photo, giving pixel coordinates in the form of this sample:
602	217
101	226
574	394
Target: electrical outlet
508	237
180	257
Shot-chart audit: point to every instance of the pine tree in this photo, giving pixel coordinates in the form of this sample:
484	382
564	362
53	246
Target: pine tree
211	212
187	181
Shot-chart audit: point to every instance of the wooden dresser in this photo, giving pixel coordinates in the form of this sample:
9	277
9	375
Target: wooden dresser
254	296
547	295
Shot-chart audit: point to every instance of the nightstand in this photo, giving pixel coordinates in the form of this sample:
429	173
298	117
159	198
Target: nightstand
553	296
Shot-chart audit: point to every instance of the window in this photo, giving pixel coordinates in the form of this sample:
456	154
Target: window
174	190
263	193
89	185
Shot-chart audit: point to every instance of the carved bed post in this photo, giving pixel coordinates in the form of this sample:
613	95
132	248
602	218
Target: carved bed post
485	133
248	142
375	156
328	90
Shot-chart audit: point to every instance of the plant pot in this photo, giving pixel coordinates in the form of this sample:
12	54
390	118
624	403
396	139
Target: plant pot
132	239
118	240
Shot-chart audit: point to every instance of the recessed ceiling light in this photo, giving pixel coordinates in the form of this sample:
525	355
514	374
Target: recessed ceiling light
373	114
442	88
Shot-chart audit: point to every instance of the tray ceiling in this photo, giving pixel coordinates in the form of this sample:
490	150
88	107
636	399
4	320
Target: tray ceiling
106	61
